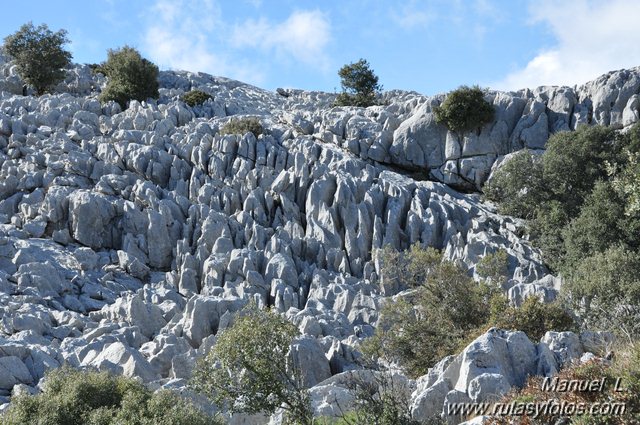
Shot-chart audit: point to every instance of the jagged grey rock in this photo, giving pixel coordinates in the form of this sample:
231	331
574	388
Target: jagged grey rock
308	356
120	359
491	365
128	238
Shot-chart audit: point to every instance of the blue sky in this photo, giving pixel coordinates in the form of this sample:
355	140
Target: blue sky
430	46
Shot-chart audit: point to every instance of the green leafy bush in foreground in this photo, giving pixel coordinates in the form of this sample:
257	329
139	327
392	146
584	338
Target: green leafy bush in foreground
195	97
249	370
74	397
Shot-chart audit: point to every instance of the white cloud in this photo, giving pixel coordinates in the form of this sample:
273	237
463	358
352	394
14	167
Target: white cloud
412	16
420	14
592	38
408	20
180	37
303	36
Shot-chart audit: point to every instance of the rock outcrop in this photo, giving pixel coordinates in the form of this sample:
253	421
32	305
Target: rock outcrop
493	364
129	238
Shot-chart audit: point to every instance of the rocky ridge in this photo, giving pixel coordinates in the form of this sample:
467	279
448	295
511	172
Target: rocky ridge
128	238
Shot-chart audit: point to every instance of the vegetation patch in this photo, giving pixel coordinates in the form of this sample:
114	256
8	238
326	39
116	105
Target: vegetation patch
518	186
39	55
444	309
196	97
580	198
465	109
81	397
360	85
613	398
243	126
130	77
533	317
248	370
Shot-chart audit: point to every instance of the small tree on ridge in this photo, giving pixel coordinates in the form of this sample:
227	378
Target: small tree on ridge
131	77
39	56
359	85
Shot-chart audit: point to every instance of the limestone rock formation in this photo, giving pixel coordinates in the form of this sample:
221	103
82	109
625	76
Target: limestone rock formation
128	238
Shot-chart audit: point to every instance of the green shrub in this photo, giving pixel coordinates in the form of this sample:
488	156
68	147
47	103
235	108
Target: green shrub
380	400
427	324
195	97
465	109
600	224
248	369
74	397
407	269
411	336
626	183
571	215
359	85
534	318
96	68
604	290
38	55
447	310
518	186
631	139
243	126
546	232
494	266
575	160
130	77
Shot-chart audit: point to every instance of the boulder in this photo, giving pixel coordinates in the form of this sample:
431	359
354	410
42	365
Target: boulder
44	277
123	360
13	371
202	316
307	355
91	219
133	310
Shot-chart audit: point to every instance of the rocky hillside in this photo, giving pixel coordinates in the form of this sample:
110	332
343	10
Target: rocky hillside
128	238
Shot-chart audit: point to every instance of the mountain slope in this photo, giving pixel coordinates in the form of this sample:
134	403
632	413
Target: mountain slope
129	237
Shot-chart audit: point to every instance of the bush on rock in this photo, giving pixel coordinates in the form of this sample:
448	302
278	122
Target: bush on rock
429	322
359	85
80	397
534	317
465	109
39	55
444	309
195	97
243	126
517	186
130	77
